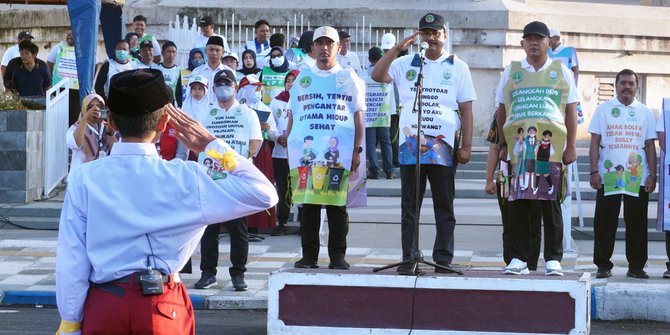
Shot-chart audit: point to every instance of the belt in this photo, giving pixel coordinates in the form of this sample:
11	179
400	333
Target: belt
136	278
119	291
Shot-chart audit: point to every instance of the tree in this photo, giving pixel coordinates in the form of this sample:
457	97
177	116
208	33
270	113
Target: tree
608	165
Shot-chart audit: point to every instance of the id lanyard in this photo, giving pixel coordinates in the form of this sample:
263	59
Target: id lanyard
98	136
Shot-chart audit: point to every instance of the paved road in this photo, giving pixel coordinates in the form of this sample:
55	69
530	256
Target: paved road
43	321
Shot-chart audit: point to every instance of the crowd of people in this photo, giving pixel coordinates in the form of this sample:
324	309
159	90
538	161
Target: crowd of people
302	116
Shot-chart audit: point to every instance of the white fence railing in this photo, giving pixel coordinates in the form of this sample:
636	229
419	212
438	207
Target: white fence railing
55	127
184	30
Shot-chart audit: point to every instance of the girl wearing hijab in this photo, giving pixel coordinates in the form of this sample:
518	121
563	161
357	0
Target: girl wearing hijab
134	42
280	114
90	137
249	93
273	75
195	105
249	65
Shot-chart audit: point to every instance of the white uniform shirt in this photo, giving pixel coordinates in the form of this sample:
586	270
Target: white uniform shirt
459	84
567	75
280	114
11	53
112	203
206	71
238	127
350	60
115	68
53	54
612	138
447	82
78	155
201	42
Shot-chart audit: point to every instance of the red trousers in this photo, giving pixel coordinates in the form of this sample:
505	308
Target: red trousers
134	313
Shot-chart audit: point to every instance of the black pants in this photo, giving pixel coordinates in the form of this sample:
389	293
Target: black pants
606	221
338	226
281	178
524	226
441	180
667	248
239	247
535	233
395	119
75	106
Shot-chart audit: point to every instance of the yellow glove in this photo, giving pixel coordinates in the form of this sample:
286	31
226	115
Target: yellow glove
68	327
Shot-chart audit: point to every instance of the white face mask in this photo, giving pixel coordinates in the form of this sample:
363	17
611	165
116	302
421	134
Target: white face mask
278	61
224	93
256	97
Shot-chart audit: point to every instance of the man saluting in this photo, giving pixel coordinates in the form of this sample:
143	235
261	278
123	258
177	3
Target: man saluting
122	238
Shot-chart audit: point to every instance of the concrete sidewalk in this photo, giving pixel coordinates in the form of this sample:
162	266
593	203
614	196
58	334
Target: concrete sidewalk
27	261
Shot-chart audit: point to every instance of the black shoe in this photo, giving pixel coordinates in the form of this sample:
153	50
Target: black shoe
280	230
441	270
666	274
640	274
339	264
373	175
207	280
238	282
305	264
604	273
390	175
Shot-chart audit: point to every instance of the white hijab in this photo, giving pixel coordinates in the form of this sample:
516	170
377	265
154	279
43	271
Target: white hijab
194	107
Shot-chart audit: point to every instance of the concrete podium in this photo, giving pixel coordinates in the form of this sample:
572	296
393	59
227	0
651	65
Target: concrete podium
358	301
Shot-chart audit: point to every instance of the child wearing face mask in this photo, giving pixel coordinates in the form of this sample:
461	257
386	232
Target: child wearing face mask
249	93
273	75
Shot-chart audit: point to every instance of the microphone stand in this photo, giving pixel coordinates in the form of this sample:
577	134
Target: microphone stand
416	256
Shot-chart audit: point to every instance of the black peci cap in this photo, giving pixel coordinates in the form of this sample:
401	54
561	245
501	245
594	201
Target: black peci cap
137	92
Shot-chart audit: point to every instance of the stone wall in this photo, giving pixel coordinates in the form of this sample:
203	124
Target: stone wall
21	156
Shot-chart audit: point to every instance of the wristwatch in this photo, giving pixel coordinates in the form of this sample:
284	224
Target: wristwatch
358	149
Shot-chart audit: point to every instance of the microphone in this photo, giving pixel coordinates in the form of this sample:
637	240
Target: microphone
422	49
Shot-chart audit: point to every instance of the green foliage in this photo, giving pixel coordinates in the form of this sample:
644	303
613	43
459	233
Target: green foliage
608	165
9	101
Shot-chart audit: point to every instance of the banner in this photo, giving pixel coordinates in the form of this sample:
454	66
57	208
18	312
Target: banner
66	66
535	131
322	135
663	214
83	18
380	101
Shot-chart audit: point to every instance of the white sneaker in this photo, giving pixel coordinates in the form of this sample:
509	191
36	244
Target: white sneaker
554	268
551	190
516	267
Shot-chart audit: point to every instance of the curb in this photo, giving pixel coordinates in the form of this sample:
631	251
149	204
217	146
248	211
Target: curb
200	302
614	301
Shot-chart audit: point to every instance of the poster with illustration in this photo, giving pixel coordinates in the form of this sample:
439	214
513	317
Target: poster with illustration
214	168
380	102
321	142
536	153
622	163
